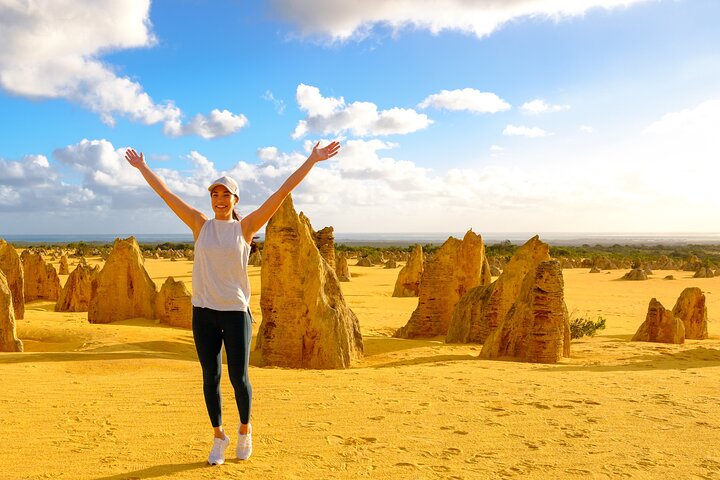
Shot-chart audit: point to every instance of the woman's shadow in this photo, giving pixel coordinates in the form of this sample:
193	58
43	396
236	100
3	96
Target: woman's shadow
156	471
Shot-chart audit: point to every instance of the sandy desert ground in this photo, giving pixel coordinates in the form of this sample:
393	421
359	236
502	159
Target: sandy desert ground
124	401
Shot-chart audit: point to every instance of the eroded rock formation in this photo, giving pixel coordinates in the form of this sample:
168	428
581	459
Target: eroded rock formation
536	328
691	310
8	335
704	272
173	304
660	325
325	242
306	322
75	295
408	281
123	289
64	269
483	308
364	262
41	279
341	267
11	266
455	269
255	259
635	274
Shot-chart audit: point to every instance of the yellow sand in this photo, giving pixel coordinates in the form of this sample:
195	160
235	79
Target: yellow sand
124	401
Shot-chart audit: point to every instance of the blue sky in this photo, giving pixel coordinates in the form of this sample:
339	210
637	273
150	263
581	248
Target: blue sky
517	116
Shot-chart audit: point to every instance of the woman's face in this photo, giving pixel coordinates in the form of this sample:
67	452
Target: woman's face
223	202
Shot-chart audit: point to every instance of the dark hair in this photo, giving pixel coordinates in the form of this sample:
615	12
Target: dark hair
235	215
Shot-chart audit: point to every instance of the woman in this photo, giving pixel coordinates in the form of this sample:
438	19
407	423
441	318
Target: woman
221	288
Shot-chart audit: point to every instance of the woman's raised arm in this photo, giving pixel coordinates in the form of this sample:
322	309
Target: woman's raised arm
190	216
255	220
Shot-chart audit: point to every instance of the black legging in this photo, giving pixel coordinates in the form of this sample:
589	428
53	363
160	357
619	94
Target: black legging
210	329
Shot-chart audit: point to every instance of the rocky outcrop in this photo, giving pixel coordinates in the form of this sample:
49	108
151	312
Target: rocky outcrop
8	335
594	270
664	263
660	325
341	267
485	273
255	259
11	266
306	322
123	289
364	262
536	328
483	308
75	295
603	263
64	269
635	274
691	310
391	263
704	272
325	242
692	264
173	304
455	270
408	281
41	279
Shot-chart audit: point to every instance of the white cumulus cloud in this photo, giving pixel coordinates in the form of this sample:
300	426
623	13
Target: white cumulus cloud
332	116
699	120
369	187
33	184
344	20
217	124
466	99
521	131
53	49
29	168
538	106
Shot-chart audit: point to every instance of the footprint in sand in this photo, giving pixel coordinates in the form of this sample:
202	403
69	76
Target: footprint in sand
480	456
316	426
711	463
578	471
338	440
440	468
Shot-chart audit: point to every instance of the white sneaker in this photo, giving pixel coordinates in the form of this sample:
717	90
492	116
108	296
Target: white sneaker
244	445
217	454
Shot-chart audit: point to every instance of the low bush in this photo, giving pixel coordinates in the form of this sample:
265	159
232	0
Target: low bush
581	327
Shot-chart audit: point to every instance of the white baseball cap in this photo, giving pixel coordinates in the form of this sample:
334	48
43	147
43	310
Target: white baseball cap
226	182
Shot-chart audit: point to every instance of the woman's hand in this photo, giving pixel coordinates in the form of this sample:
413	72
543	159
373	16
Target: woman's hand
329	151
133	158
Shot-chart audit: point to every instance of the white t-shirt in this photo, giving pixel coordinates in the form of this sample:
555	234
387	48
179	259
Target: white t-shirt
219	278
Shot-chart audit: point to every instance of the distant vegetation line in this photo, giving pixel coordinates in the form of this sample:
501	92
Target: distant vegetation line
506	248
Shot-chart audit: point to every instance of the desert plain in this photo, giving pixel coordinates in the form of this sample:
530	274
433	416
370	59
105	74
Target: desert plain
124	400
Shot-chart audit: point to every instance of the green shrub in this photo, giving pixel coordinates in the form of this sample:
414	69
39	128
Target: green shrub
581	327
